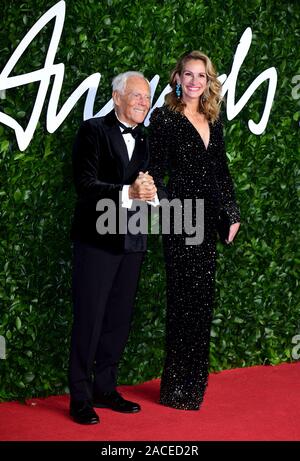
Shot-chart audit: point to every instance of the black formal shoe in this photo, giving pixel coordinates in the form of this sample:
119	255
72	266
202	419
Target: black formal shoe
82	412
115	401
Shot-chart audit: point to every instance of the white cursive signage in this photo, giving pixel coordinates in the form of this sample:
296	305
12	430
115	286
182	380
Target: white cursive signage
91	83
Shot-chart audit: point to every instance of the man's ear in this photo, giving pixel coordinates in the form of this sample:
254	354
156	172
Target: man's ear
116	98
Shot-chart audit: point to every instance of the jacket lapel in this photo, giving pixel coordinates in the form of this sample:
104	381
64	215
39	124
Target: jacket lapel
139	155
116	140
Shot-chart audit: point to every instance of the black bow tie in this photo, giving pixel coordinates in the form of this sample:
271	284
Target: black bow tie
133	131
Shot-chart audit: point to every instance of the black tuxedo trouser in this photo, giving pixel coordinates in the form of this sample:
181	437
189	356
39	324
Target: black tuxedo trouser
104	287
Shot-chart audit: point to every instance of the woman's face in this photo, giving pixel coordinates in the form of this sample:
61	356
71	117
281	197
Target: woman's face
193	79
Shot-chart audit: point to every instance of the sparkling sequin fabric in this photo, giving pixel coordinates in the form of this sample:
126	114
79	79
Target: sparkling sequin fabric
178	151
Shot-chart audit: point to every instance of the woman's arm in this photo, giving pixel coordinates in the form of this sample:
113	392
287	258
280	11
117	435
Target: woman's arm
159	147
224	180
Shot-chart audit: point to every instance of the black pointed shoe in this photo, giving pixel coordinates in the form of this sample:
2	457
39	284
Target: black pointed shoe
115	401
82	412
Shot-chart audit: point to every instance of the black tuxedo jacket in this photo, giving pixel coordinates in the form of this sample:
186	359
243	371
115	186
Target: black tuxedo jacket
101	168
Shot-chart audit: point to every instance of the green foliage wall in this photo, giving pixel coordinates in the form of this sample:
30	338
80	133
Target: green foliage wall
257	306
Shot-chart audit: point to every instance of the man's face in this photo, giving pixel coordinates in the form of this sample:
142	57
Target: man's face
133	105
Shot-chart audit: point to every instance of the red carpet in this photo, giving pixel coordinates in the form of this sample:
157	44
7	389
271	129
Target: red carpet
257	403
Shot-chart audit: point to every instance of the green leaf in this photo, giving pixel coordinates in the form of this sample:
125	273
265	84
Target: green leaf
18	195
18	323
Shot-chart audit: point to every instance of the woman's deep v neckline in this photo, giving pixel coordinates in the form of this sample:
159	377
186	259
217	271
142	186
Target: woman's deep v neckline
198	133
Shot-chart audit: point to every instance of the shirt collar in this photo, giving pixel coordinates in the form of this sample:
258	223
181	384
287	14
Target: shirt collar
124	123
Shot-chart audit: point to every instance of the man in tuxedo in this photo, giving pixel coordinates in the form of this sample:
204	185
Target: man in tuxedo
110	159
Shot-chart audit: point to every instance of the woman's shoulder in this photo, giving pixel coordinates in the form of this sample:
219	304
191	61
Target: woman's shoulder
163	115
217	124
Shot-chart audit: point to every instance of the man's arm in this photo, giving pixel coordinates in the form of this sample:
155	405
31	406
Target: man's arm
86	164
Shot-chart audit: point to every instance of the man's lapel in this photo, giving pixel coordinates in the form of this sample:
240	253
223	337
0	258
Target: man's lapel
117	141
139	154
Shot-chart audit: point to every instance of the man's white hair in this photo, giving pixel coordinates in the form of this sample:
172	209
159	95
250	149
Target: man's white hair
119	82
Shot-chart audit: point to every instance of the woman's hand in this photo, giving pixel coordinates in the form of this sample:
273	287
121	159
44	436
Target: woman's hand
233	231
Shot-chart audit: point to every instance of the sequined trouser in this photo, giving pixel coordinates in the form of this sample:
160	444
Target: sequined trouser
190	272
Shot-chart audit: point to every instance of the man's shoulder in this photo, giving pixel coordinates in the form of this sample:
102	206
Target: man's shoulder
94	122
92	128
97	122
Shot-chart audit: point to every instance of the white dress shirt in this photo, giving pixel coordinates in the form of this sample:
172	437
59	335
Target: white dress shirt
130	145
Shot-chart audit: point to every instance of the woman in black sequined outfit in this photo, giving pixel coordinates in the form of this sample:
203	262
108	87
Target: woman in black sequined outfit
186	144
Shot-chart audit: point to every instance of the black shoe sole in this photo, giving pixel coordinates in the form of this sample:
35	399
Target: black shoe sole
102	405
85	423
90	423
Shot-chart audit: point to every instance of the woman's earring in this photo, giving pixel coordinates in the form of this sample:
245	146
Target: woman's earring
204	96
178	90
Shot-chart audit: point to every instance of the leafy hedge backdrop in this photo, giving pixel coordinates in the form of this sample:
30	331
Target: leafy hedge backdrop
257	296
